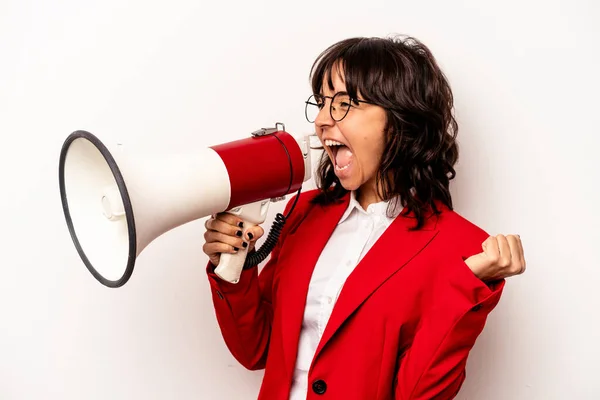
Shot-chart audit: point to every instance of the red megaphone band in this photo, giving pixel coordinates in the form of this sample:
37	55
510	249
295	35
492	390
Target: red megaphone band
277	156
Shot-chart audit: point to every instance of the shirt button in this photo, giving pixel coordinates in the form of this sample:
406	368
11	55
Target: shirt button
319	386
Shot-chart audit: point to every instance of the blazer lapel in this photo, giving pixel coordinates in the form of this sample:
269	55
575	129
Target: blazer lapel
312	236
394	249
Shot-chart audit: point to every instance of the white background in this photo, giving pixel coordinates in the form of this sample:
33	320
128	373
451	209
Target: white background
190	74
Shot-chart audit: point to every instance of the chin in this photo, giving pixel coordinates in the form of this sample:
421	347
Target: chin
348	184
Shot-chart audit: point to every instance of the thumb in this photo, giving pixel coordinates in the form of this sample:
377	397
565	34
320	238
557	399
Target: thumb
477	262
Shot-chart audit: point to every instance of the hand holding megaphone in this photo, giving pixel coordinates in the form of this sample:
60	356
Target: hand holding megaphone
227	233
116	203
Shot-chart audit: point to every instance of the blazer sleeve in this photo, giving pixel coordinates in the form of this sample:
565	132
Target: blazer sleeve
244	310
433	367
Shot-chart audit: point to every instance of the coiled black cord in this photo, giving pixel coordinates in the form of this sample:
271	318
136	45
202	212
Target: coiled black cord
259	255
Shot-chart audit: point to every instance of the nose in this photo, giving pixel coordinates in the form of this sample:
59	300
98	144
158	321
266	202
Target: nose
324	116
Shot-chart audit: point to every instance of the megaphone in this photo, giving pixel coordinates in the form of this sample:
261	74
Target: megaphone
117	202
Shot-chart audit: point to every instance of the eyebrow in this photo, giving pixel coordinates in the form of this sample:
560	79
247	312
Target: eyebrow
341	91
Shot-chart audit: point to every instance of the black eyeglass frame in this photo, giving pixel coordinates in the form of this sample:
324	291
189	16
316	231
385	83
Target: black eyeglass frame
308	103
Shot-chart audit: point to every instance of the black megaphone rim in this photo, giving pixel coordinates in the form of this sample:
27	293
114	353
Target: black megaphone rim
80	134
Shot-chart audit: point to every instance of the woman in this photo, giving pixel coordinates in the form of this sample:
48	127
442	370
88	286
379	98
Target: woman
376	288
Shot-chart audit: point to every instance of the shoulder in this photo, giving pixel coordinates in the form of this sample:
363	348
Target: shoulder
459	233
298	206
301	202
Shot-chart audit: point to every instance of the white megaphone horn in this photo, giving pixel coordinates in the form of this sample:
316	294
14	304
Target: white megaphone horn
115	204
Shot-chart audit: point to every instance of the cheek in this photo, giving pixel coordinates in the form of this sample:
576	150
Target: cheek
371	154
373	150
380	149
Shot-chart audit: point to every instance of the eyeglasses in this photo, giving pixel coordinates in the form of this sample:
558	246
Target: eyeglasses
338	108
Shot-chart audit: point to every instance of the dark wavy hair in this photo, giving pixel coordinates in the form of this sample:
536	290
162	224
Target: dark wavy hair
400	74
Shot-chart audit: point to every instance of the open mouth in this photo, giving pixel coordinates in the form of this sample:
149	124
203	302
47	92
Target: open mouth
342	154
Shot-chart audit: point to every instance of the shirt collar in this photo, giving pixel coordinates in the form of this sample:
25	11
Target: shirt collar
373	209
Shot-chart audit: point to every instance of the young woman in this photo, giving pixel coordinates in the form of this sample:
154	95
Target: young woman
376	289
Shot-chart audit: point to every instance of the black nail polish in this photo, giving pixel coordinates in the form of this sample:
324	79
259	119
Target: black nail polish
239	233
241	224
235	248
250	236
245	244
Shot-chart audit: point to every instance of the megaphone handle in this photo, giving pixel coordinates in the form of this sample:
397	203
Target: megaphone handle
231	265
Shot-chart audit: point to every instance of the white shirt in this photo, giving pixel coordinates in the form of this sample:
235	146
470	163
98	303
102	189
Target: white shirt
354	235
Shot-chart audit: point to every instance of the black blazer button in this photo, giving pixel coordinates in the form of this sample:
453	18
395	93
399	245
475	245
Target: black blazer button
319	386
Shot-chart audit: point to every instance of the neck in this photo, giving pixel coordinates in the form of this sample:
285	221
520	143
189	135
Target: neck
367	196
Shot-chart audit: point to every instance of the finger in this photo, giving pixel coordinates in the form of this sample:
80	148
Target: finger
491	249
479	264
485	244
504	249
516	260
254	233
515	250
215	236
214	248
522	252
230	219
224	227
